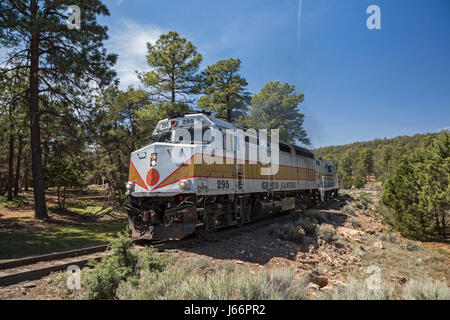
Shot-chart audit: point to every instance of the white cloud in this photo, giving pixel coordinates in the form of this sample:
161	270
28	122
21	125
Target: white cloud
129	41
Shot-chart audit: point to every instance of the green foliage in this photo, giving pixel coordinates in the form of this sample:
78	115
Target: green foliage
174	62
64	172
346	181
275	106
386	153
366	158
359	181
346	164
124	264
224	90
64	65
418	195
121	125
150	261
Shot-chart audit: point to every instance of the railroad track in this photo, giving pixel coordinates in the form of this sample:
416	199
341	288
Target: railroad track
57	259
60	263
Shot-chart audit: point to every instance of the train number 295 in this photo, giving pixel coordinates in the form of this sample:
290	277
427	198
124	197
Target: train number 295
223	184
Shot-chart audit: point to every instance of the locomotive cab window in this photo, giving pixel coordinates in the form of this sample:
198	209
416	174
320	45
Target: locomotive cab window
162	137
285	148
191	138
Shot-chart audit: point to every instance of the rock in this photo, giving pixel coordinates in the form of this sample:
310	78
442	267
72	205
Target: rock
362	248
313	286
250	255
419	260
292	254
378	245
239	262
243	251
319	280
370	231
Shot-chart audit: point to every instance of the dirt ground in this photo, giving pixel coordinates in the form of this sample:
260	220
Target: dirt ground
328	264
20	213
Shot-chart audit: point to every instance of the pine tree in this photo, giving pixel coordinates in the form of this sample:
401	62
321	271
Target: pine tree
418	192
61	62
433	178
174	76
275	106
367	163
224	90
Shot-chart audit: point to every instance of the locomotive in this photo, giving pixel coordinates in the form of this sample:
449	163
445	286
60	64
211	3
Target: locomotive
200	173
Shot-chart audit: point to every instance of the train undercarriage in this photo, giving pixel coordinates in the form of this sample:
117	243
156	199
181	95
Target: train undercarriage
175	217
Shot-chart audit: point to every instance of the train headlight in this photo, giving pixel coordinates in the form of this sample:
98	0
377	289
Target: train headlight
153	159
129	186
183	184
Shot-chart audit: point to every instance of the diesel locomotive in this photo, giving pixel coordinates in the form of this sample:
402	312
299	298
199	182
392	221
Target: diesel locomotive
184	181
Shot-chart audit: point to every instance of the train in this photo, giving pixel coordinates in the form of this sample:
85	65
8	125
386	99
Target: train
200	173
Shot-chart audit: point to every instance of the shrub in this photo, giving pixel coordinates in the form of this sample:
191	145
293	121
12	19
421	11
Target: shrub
288	231
308	224
58	281
417	191
149	260
348	209
345	181
411	246
103	280
124	264
427	290
365	197
355	222
327	232
360	291
182	283
359	181
388	237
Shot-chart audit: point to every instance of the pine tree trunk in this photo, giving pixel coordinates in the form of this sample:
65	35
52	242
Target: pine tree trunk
11	155
40	208
25	174
64	198
19	158
58	193
26	177
444	231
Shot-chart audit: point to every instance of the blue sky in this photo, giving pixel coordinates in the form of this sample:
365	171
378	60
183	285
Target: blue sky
359	84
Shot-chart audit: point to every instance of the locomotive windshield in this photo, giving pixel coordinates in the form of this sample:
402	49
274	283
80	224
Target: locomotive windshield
162	137
179	137
203	138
